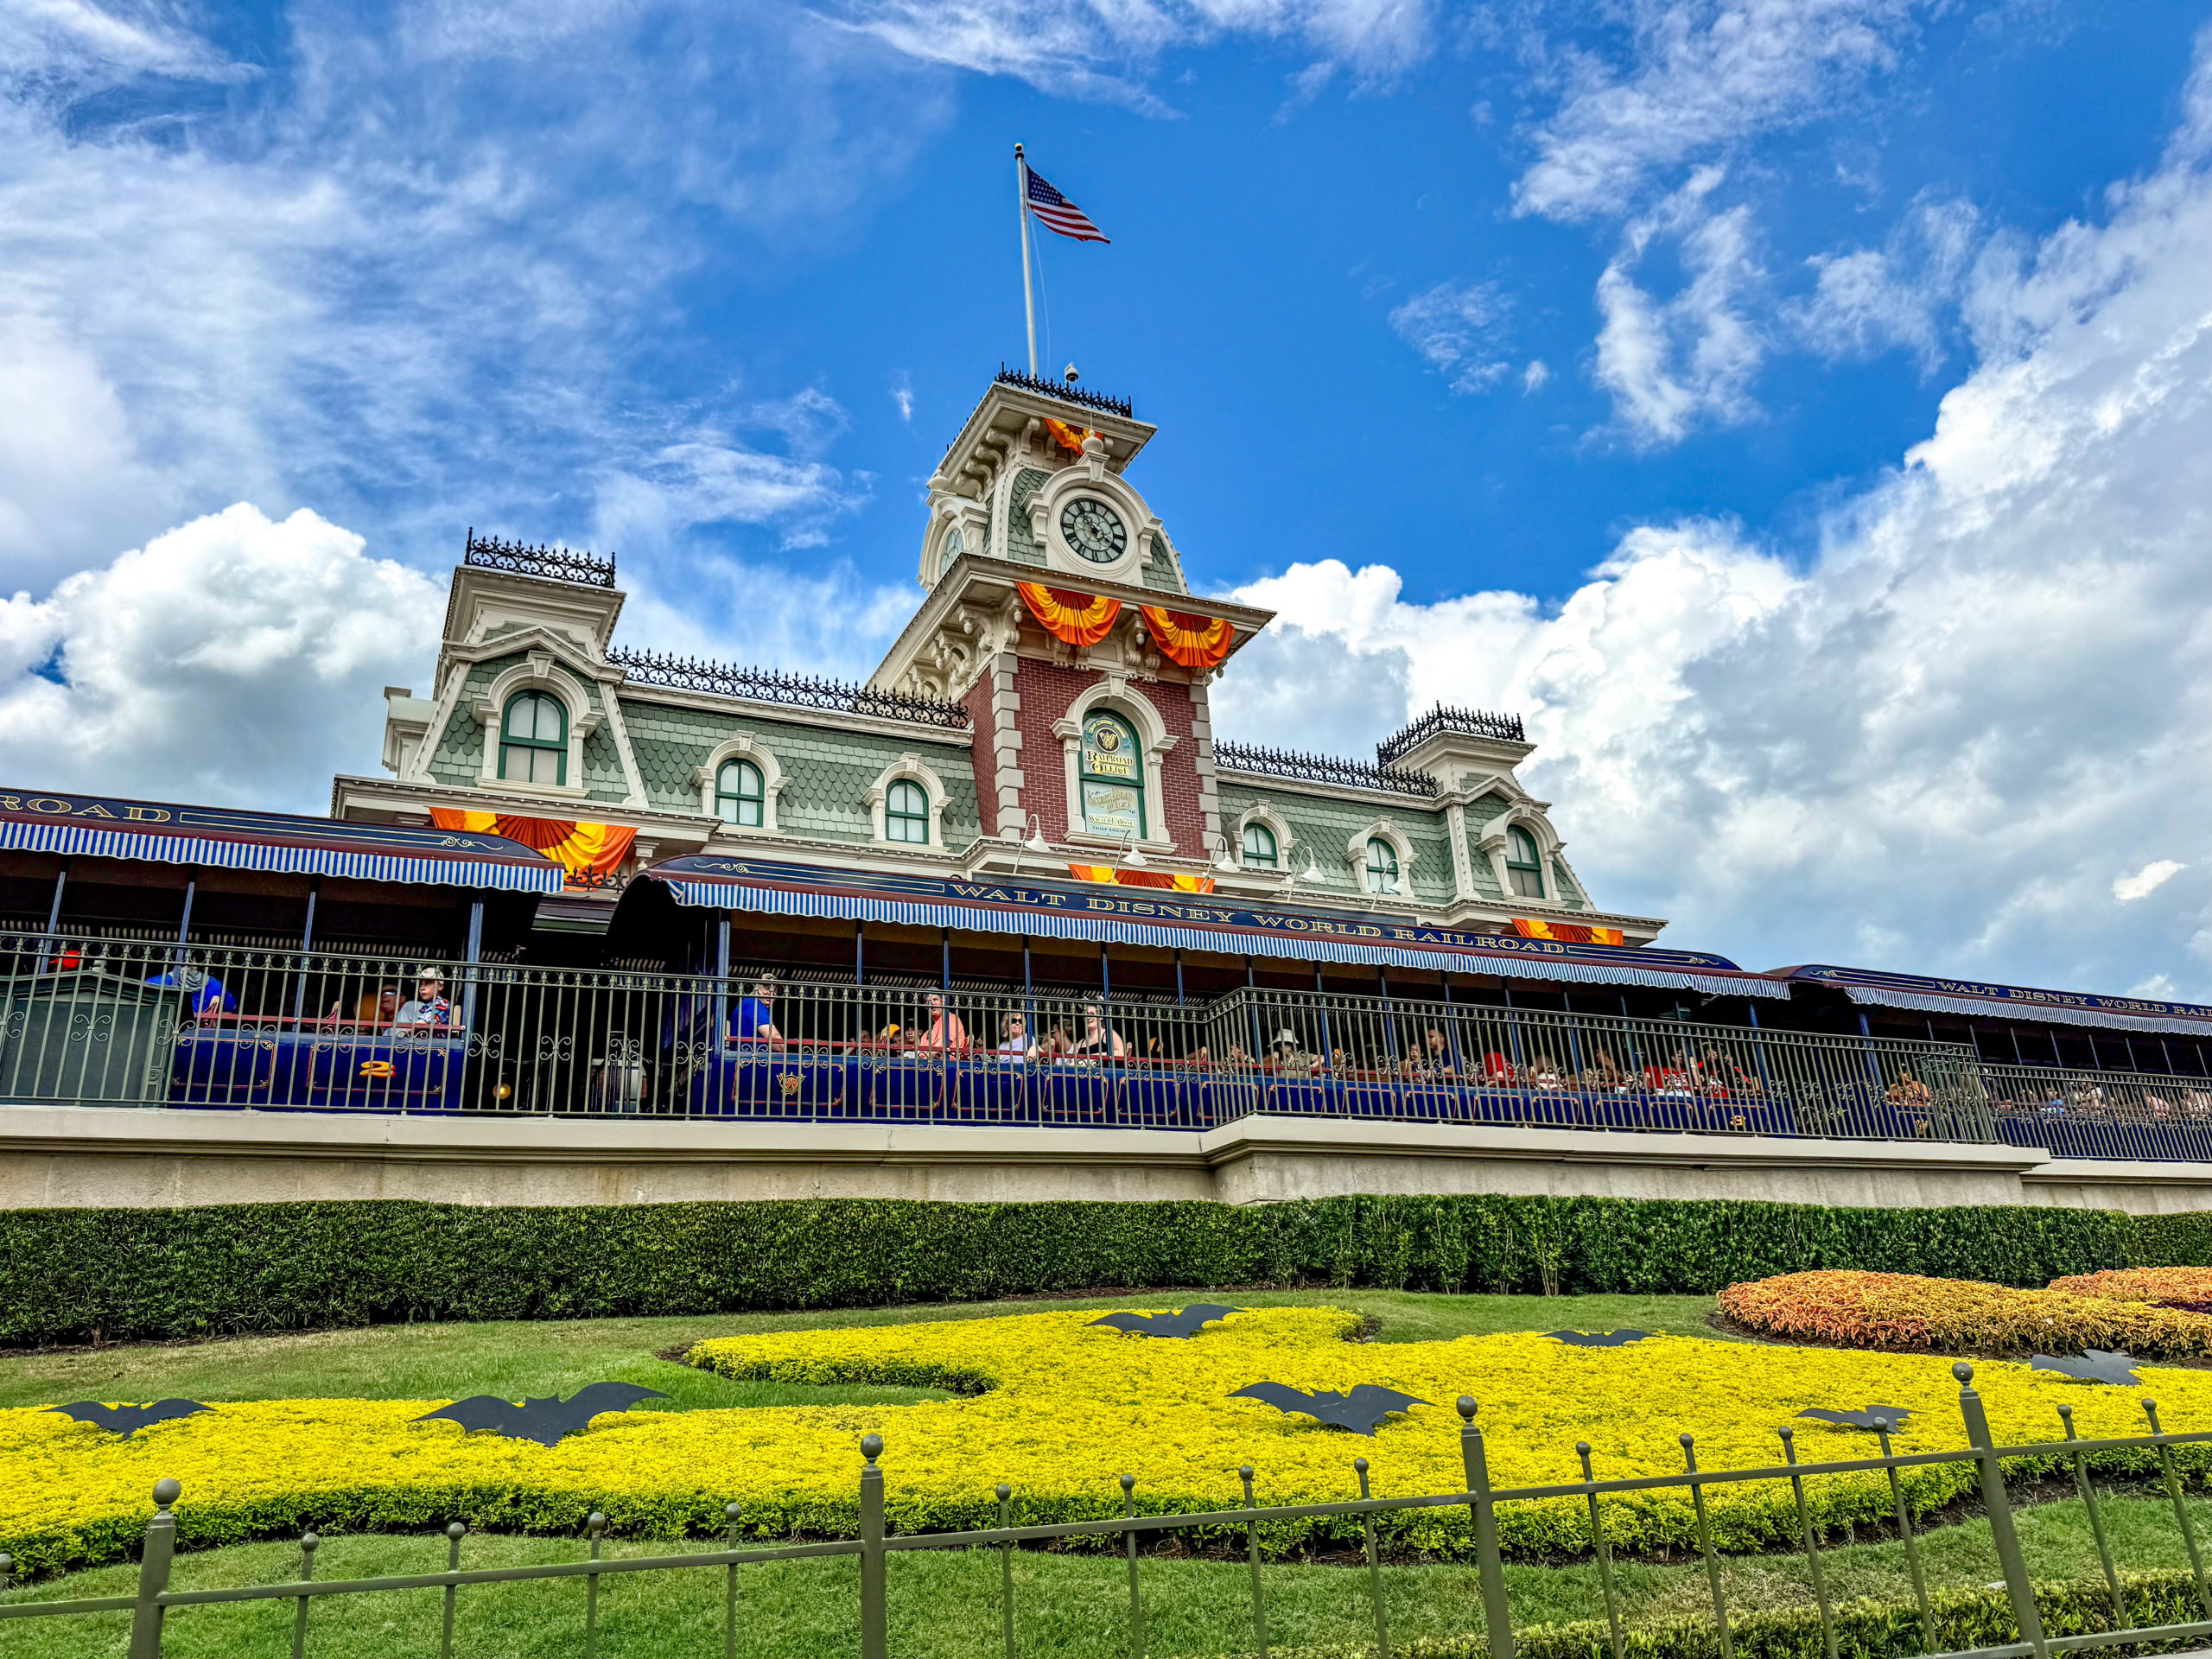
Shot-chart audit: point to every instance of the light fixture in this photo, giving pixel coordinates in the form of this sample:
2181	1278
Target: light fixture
1037	843
1134	858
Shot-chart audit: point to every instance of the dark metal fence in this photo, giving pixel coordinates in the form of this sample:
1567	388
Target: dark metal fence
304	1598
1320	768
2102	1113
1305	1052
793	691
86	1020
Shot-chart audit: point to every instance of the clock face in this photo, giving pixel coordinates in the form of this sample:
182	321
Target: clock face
1094	530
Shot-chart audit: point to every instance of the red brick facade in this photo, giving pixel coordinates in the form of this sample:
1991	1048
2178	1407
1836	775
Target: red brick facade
1046	689
985	754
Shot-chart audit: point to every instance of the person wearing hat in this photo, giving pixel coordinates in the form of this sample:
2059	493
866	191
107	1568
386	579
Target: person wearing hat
1292	1061
429	1012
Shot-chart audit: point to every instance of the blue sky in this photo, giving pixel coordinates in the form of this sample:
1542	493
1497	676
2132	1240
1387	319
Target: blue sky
1793	406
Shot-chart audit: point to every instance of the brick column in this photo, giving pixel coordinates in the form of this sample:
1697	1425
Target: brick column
1209	792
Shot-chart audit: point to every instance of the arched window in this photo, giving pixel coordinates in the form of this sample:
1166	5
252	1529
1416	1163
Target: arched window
741	797
534	739
907	813
1259	847
1523	863
1109	770
1382	866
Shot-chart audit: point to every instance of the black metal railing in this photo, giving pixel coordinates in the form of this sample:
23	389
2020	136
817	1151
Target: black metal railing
1321	769
1471	722
2103	1114
2124	1608
554	563
1069	392
87	1021
794	690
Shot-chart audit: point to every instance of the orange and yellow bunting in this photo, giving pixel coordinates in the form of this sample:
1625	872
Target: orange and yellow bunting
1068	437
582	849
1075	619
1113	877
1196	642
1568	932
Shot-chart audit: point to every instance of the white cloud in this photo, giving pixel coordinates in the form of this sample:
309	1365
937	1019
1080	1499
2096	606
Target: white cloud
1671	363
1924	745
1456	327
902	395
231	661
1106	51
391	283
1870	299
1535	376
1704	76
2146	880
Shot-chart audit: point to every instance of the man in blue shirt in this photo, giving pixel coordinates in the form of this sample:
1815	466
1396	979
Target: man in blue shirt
753	1021
206	991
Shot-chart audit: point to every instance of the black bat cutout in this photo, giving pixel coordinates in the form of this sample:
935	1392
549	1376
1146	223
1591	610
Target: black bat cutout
1894	1416
1184	1324
2095	1365
1599	1338
547	1421
127	1420
1360	1411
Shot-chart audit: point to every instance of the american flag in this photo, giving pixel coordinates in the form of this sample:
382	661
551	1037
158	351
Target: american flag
1056	213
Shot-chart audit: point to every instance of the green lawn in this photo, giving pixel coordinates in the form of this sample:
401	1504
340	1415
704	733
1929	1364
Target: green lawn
946	1606
436	1362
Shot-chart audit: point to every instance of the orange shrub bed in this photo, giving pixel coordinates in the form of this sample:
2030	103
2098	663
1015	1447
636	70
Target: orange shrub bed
1903	1312
2187	1288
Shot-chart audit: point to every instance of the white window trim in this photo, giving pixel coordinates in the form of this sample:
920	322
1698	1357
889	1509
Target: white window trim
1492	845
1115	694
909	768
1356	853
535	672
771	784
1268	818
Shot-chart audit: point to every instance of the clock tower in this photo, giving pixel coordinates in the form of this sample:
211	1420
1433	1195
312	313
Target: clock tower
1057	612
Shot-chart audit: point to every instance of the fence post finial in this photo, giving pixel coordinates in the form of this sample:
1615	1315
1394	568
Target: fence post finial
875	1627
1497	1620
154	1573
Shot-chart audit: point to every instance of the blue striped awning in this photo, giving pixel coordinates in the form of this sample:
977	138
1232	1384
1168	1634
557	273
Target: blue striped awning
754	887
160	833
1870	988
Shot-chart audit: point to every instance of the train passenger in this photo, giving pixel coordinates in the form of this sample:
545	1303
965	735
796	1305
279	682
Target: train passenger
1099	1041
428	1013
947	1035
753	1018
205	990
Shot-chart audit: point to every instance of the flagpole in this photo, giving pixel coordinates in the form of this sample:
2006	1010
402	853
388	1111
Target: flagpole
1028	304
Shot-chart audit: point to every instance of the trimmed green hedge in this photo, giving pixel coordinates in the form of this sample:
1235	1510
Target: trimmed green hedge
73	1275
1865	1629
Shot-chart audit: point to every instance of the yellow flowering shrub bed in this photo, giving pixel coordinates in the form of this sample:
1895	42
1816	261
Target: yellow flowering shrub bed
1905	1312
2186	1288
1068	1408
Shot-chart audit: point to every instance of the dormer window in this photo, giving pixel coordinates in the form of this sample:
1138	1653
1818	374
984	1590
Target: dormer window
741	795
1260	851
907	813
1382	866
1524	865
534	740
